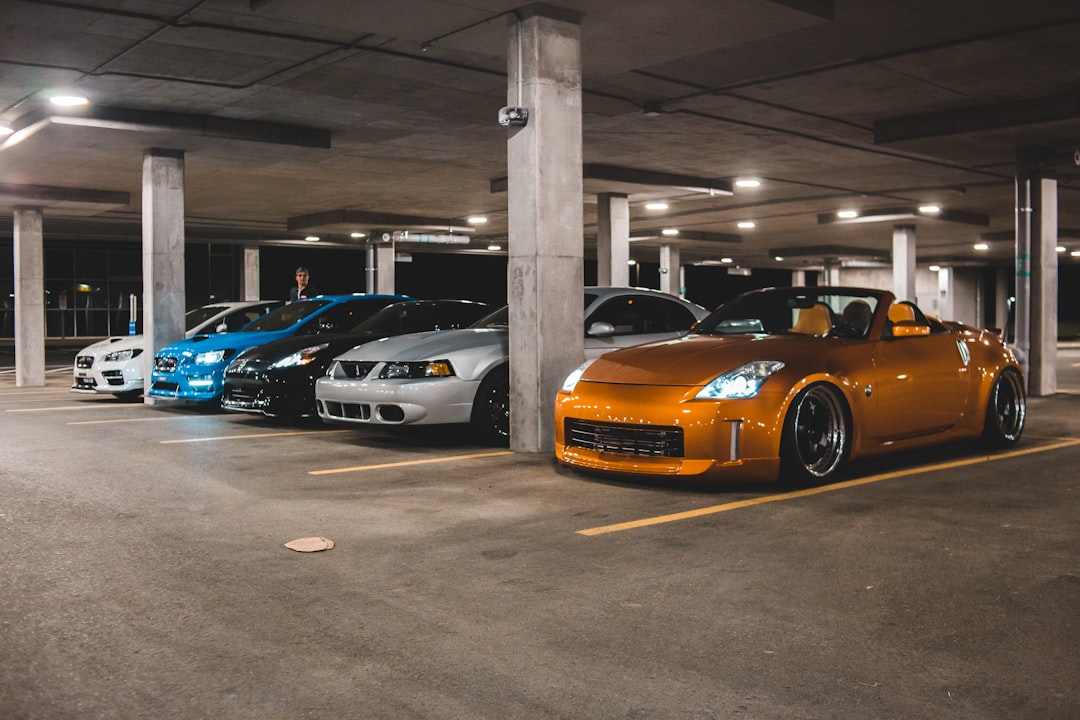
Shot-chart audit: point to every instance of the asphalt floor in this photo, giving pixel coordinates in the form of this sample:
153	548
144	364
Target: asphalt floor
145	575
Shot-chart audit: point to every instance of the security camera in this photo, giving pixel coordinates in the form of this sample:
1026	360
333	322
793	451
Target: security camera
513	116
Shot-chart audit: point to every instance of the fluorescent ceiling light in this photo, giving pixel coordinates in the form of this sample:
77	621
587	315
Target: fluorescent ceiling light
631	261
669	231
847	214
68	100
1075	253
935	268
357	235
656	206
493	248
930	209
747	224
1061	248
477	220
779	258
311	238
748	183
727	260
5	129
982	246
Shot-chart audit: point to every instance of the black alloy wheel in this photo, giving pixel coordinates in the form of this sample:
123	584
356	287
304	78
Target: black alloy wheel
491	408
815	439
1006	411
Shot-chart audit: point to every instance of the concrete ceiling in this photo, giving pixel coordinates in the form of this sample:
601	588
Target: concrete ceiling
333	116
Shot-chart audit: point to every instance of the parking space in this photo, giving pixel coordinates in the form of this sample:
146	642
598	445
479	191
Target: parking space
146	576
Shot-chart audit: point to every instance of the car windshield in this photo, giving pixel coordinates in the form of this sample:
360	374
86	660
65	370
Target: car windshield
286	316
795	311
498	319
199	315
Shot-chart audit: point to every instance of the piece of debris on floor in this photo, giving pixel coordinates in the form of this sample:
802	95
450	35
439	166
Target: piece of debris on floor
310	544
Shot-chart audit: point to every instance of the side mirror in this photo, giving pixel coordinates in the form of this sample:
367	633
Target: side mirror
909	329
600	329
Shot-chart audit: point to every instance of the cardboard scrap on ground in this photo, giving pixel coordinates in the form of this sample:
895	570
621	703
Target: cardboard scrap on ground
310	544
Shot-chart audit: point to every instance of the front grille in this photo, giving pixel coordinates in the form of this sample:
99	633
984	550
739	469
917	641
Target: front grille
356	370
113	377
242	397
164	363
642	440
85	384
84	362
347	411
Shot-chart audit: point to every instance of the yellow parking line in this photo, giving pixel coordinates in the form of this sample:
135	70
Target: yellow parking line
251	435
88	406
712	510
125	420
406	463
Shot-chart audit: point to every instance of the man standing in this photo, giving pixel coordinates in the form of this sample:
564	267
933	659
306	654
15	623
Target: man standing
302	290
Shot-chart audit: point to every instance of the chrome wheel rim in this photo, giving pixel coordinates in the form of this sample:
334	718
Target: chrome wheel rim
820	432
1009	406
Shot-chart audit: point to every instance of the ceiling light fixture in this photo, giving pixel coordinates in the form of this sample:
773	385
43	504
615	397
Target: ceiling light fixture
1061	248
631	261
68	100
748	183
311	238
727	260
493	248
357	235
982	246
5	128
656	206
1075	253
477	220
746	225
779	258
935	268
930	209
847	214
669	231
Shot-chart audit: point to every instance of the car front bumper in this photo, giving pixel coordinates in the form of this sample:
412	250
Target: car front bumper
427	401
660	430
201	383
109	378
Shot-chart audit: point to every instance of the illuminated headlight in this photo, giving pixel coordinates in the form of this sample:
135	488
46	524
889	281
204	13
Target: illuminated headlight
422	369
300	357
332	370
742	382
122	355
214	357
201	382
571	380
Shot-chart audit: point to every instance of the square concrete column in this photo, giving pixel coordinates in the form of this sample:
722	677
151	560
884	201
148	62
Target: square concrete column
903	262
29	298
384	273
1042	378
612	240
164	301
798	278
251	289
1001	298
945	305
545	277
670	270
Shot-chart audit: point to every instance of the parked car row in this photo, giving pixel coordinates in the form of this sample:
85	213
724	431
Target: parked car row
782	382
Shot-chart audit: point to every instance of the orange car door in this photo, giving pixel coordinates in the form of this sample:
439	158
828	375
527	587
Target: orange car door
921	385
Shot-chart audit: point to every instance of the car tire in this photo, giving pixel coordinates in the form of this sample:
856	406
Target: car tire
816	437
491	408
1006	410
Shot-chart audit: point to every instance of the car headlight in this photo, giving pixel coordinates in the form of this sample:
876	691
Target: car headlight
122	355
300	357
742	382
332	370
571	380
214	357
422	369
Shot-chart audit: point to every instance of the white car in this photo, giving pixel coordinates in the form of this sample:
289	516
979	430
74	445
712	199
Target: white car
112	367
462	376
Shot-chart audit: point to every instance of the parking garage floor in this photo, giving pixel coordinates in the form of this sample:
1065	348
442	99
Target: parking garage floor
144	575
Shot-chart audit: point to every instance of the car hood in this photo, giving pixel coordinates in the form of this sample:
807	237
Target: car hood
277	349
427	345
223	341
113	344
695	360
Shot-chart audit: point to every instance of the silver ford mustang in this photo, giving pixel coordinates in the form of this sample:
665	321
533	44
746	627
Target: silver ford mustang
462	376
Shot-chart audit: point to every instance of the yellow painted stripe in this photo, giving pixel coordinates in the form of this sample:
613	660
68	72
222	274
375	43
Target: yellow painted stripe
125	420
712	510
250	436
406	463
88	406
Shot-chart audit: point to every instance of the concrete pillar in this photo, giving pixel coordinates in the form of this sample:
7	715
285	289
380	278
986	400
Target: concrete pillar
669	270
369	269
29	247
164	302
544	270
384	264
612	240
903	262
945	302
1042	378
251	289
798	278
1001	300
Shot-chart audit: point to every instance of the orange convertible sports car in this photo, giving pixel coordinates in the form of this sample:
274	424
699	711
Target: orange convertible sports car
790	382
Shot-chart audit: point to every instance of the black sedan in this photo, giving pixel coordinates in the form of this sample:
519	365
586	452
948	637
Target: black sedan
278	379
